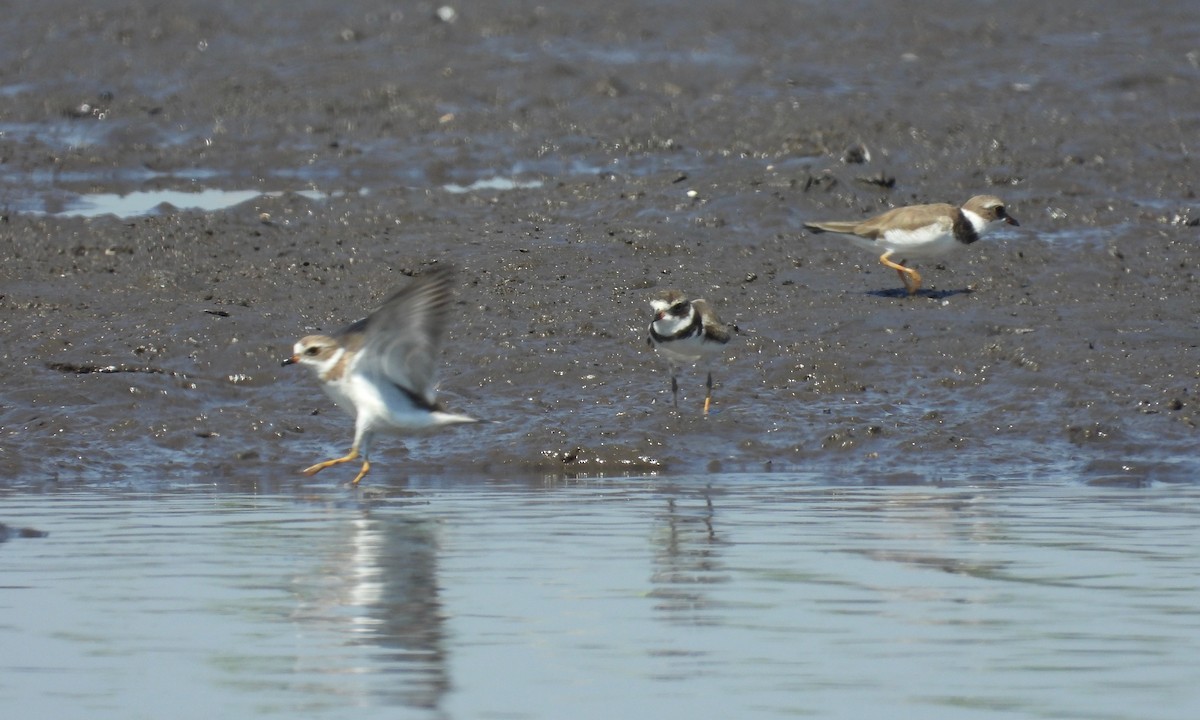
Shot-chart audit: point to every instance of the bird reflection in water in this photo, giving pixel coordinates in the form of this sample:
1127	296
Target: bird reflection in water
377	587
687	558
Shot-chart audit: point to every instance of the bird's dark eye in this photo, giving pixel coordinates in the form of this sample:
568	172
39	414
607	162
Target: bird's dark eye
1000	211
312	351
679	308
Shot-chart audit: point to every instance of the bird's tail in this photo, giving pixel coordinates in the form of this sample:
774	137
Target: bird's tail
835	226
441	417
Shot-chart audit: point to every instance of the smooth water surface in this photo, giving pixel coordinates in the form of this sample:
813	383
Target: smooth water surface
727	596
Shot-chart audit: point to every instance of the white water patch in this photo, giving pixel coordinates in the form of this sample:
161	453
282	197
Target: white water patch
1074	237
493	183
149	202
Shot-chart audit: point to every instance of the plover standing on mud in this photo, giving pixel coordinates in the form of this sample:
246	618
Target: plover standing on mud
920	231
684	332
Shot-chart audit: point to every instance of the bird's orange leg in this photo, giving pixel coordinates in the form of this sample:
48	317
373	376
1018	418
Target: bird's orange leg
353	454
366	468
905	273
708	395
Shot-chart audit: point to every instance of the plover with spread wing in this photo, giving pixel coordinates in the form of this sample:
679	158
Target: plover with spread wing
381	369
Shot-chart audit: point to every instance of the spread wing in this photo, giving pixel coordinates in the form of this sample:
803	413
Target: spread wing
402	338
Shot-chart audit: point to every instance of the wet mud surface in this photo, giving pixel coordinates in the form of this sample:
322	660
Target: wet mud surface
570	161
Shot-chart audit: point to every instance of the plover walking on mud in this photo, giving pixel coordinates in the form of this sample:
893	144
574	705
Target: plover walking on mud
920	231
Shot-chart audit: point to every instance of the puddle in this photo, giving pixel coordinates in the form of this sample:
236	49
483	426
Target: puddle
493	183
150	202
83	133
16	89
146	203
1075	237
210	199
55	190
60	135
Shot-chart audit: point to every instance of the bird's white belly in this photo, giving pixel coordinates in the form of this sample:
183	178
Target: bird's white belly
380	405
924	242
687	350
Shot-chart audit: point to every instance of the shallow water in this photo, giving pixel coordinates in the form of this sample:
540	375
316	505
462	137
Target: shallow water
725	596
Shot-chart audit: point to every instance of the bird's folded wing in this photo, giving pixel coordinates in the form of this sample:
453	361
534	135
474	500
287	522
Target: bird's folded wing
909	219
713	327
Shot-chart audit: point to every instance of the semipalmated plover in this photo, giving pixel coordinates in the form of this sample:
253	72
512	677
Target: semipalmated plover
920	231
381	369
684	332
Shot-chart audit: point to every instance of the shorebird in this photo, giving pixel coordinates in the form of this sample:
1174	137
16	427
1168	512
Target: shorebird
920	231
684	332
381	369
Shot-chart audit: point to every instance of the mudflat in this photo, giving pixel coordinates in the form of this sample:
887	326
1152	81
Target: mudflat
570	160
